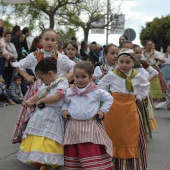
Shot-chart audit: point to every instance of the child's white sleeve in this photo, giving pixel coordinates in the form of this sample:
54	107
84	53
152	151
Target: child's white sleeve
66	64
152	71
105	82
143	89
106	98
97	73
28	62
64	85
66	100
143	72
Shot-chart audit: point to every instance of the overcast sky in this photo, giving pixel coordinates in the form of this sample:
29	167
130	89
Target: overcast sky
137	13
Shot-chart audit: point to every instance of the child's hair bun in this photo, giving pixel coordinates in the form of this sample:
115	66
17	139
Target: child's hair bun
52	60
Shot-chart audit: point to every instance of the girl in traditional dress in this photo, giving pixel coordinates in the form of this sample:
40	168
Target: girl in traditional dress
71	49
64	68
158	84
126	44
42	140
165	68
122	123
142	107
86	145
110	53
152	74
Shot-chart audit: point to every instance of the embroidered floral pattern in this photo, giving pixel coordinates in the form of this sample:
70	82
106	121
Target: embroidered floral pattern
54	54
39	54
104	68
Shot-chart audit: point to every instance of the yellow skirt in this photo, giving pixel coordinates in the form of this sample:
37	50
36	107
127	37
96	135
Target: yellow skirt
32	146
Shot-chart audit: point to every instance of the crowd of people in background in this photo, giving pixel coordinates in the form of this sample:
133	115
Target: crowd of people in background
38	76
14	46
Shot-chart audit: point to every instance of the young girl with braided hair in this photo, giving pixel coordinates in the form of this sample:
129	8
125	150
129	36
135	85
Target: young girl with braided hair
42	140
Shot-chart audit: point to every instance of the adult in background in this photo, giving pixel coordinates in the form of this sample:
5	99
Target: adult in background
4	53
83	51
24	84
15	40
8	72
35	44
166	72
94	58
26	32
165	67
122	38
23	50
100	54
158	84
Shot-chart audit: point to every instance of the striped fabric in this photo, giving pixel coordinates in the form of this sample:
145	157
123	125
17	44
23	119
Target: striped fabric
48	88
136	163
25	112
87	131
47	123
168	96
87	146
87	156
143	112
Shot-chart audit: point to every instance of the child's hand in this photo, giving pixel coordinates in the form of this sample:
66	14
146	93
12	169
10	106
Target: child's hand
138	100
38	102
156	58
6	57
4	87
100	114
20	99
30	103
30	79
65	113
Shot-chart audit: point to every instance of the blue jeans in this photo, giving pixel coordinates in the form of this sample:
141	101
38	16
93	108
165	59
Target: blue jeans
4	97
2	65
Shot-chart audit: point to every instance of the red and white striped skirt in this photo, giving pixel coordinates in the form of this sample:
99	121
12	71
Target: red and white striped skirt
87	146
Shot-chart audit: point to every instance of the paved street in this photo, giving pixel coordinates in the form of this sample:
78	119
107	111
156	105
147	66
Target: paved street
158	147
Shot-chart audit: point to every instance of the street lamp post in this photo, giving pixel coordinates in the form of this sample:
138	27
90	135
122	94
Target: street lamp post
107	19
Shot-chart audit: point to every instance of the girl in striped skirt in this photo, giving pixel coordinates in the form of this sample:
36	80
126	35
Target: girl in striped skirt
86	145
122	123
152	74
42	140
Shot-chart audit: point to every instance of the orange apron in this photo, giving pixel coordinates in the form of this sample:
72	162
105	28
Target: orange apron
122	126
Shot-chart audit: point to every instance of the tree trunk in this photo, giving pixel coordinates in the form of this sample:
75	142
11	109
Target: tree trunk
86	34
51	17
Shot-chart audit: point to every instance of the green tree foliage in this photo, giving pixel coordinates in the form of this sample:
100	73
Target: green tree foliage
61	14
65	35
42	12
7	26
83	14
158	31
